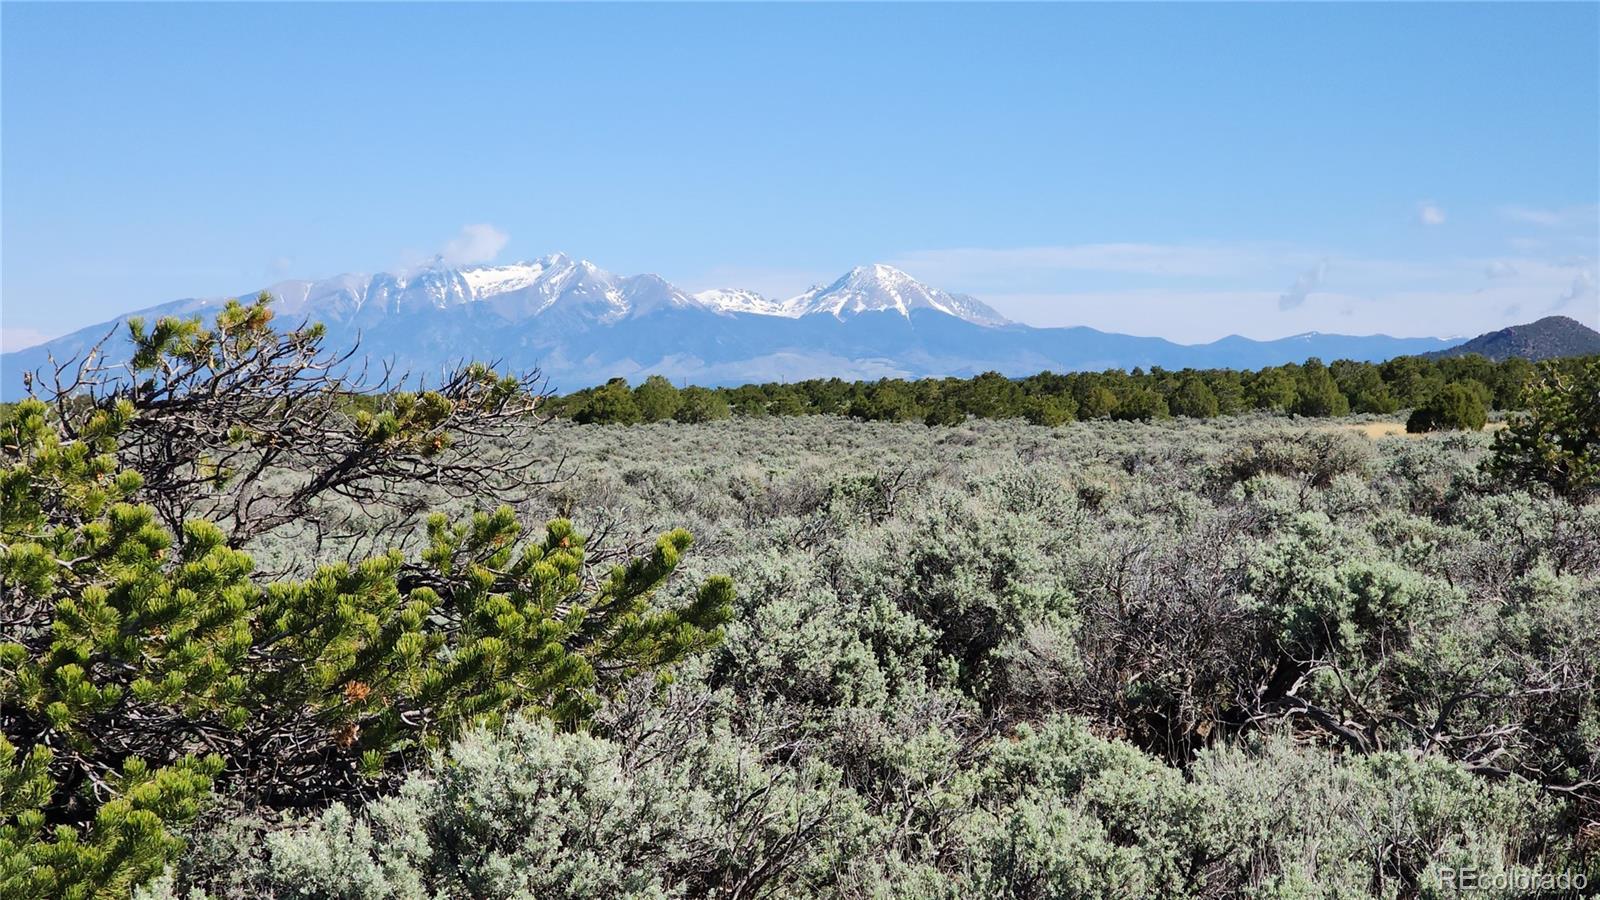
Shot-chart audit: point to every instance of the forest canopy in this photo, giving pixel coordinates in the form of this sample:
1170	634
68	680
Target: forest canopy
1458	391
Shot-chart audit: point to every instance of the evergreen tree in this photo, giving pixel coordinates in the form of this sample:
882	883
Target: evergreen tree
1050	411
1228	386
1363	384
1412	380
786	401
1193	399
1318	394
1141	404
1455	407
988	396
748	401
1556	442
698	404
945	413
1511	378
1272	389
141	666
657	399
890	400
612	404
1097	403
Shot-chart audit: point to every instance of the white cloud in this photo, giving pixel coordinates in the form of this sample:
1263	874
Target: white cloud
1565	217
1499	268
475	244
1430	213
13	338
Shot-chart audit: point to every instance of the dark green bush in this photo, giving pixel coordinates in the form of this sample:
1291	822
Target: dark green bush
1456	407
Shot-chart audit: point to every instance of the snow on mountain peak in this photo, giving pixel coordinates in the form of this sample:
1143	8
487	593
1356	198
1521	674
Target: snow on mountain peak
882	288
583	292
738	300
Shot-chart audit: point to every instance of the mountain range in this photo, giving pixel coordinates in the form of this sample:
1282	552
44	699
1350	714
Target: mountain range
581	325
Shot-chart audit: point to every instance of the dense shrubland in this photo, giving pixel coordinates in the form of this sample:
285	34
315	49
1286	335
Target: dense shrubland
1449	393
1252	657
1257	656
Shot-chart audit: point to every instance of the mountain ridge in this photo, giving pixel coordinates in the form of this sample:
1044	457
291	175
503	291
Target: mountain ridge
581	325
1551	337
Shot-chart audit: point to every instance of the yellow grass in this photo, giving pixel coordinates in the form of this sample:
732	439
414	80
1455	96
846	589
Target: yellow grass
1375	430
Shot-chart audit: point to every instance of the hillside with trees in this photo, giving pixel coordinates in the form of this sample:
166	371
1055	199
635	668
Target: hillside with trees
1552	337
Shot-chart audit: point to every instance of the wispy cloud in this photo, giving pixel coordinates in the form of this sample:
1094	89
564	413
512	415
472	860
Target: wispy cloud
1207	290
1430	213
278	267
1583	287
1565	217
475	244
13	338
1304	284
1190	260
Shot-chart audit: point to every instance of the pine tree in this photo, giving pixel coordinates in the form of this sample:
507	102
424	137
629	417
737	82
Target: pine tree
1556	442
141	667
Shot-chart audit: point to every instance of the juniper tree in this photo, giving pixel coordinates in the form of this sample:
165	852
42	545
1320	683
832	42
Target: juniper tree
656	399
144	667
698	404
1193	399
1454	407
612	404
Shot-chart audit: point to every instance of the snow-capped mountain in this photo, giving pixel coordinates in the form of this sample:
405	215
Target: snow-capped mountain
581	325
556	285
559	284
881	288
874	288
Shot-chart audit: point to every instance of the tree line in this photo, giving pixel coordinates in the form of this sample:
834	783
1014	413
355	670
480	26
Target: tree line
1449	393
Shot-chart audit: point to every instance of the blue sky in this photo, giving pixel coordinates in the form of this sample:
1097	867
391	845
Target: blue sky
1187	170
